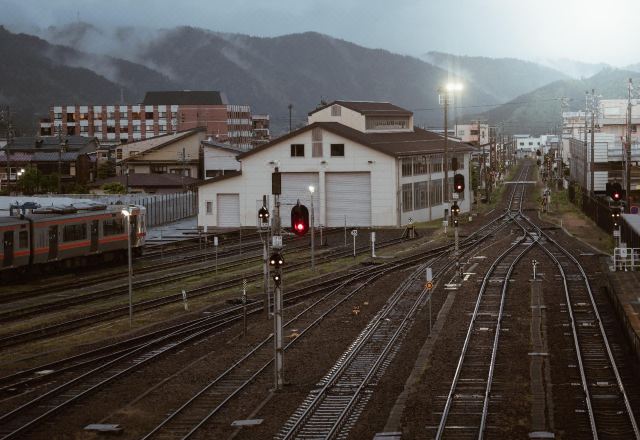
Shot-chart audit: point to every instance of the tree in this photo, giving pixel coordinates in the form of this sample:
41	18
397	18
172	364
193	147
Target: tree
106	169
114	188
32	181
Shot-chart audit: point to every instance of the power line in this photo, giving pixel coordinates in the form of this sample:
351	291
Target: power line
489	105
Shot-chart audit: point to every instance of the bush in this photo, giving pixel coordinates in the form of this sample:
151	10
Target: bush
114	188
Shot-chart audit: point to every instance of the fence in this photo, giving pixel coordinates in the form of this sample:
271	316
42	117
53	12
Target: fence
161	208
596	209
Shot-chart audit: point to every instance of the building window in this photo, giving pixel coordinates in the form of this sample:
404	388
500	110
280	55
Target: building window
119	153
74	232
337	150
148	115
113	226
45	131
71	117
209	207
135	115
71	131
158	169
297	150
111	115
522	144
420	166
23	240
111	129
136	129
133	153
57	116
420	195
436	163
407	167
316	142
373	123
162	114
407	197
84	129
435	192
162	128
530	143
336	110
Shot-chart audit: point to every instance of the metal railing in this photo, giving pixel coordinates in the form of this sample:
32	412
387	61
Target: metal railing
626	259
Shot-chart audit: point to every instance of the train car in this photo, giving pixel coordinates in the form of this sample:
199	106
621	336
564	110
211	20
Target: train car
70	236
16	239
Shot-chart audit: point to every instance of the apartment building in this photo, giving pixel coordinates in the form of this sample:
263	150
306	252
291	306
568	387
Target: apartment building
476	132
159	114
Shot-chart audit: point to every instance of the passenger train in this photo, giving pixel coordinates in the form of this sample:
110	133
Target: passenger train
56	237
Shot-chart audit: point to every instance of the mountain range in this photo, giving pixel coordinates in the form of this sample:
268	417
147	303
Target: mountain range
81	63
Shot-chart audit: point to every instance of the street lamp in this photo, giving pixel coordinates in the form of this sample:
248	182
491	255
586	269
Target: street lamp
127	214
445	95
313	247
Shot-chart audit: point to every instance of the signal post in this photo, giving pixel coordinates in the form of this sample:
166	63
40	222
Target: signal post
275	262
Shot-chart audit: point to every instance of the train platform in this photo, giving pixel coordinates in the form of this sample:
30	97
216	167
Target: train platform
624	291
175	231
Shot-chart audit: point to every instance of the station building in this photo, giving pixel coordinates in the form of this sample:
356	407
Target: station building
368	164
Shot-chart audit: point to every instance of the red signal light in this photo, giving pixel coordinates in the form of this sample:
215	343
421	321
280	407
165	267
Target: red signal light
300	219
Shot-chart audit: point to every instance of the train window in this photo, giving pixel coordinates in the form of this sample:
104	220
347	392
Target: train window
23	240
113	226
74	232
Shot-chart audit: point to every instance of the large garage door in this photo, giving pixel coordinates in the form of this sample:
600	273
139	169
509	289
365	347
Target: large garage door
295	186
228	210
348	194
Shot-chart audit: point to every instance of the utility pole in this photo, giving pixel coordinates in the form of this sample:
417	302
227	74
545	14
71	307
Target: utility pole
6	116
290	108
628	139
593	137
445	165
277	292
63	144
586	149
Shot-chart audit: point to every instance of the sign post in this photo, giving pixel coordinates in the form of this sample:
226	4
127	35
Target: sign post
429	285
373	245
244	307
215	245
354	234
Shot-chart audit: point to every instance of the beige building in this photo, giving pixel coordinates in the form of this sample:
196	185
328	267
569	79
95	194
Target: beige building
177	153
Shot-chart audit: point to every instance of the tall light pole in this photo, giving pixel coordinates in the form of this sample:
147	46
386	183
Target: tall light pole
127	215
313	247
445	96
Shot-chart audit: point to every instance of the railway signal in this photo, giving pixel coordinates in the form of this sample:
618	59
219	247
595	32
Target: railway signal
615	217
458	183
276	260
263	214
614	190
277	279
455	209
300	219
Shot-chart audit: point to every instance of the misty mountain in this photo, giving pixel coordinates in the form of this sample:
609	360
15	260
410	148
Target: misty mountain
633	67
32	79
301	69
540	110
266	73
574	69
502	78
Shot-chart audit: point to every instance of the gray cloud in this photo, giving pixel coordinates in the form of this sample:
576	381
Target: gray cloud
528	29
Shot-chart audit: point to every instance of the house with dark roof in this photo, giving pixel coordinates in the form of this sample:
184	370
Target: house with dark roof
368	166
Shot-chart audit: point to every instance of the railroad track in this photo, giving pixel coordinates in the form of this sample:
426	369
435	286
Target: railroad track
75	323
466	408
605	397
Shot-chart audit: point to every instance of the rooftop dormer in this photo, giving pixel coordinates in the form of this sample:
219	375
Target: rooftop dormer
365	116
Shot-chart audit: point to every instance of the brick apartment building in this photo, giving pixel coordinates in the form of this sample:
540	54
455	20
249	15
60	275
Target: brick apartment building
160	113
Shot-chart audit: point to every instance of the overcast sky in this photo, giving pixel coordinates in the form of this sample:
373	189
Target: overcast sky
586	30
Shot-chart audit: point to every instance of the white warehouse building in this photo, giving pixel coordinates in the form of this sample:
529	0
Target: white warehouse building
368	164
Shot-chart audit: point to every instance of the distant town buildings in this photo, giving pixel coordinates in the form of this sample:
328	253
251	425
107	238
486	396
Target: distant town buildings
159	114
476	132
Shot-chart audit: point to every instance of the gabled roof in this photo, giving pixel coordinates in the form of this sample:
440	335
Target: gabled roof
402	143
369	108
51	143
184	97
225	176
158	142
228	147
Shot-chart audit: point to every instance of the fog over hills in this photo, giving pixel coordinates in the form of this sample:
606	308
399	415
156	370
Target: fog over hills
83	63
